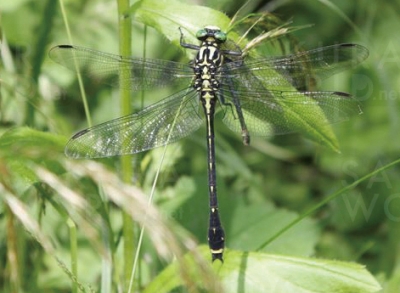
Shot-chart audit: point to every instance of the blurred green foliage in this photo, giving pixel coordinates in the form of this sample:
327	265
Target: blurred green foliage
261	188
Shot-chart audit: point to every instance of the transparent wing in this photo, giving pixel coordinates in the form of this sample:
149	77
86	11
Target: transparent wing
145	73
269	113
300	70
162	123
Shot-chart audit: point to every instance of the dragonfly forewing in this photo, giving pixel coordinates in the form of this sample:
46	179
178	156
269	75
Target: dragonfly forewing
144	73
300	70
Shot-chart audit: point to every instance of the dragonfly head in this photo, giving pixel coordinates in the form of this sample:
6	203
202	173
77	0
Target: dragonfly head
212	32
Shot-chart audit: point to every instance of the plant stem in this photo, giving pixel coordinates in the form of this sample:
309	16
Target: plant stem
43	32
125	31
78	73
74	252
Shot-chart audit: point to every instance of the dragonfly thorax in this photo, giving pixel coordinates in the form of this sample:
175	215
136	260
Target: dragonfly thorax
206	67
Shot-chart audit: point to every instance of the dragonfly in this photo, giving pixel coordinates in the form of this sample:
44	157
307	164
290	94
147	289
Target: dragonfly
252	93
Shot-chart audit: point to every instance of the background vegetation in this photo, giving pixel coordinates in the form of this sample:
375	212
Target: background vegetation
62	228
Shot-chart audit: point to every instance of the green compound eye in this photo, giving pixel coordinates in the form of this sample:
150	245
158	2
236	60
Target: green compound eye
220	36
201	34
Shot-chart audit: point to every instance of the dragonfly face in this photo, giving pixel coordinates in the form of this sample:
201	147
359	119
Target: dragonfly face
259	97
213	33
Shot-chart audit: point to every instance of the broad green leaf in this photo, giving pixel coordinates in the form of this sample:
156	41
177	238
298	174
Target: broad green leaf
31	143
252	225
259	272
314	126
168	16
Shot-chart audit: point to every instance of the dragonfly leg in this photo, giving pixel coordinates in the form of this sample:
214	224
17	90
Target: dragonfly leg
236	102
186	45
